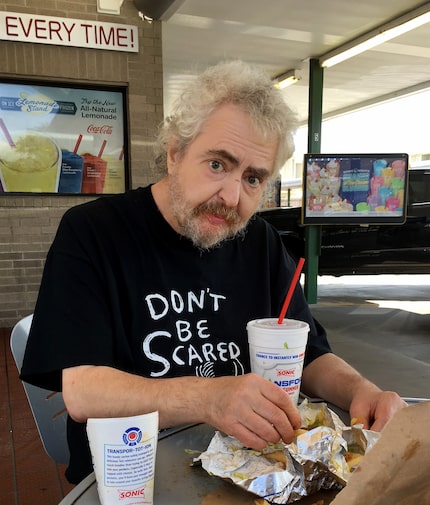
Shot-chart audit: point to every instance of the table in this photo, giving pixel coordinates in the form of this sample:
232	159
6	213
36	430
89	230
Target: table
177	482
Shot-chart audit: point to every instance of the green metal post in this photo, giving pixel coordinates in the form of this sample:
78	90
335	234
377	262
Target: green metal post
313	233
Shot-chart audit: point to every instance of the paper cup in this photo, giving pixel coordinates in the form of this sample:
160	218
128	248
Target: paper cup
277	351
123	451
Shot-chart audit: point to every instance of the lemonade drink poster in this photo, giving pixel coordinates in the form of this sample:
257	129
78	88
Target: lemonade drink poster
50	137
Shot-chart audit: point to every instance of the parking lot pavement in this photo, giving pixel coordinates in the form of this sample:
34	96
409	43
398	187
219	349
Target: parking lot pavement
381	325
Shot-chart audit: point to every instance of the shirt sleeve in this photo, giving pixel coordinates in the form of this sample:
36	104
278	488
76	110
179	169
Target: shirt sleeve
71	318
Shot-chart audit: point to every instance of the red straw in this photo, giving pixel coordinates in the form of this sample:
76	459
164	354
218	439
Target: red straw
75	150
102	148
121	154
6	133
291	289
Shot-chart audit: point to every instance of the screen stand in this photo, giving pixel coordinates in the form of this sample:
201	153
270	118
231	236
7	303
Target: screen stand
312	253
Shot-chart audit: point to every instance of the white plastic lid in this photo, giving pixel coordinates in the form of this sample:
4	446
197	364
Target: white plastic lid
272	323
268	333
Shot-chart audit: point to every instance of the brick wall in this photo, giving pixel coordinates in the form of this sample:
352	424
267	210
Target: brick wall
28	222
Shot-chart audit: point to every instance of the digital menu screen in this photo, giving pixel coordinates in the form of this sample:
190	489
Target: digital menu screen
355	188
64	140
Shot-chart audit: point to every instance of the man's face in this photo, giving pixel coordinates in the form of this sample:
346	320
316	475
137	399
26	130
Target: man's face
217	184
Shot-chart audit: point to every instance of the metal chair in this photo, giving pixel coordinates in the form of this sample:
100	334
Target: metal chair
48	407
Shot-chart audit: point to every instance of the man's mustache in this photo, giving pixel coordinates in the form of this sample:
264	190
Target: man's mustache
230	214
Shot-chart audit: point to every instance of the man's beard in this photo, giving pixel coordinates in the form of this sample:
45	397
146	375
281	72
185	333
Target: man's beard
189	219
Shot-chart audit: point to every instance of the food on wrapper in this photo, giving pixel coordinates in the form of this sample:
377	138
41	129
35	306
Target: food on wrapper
322	456
357	420
353	459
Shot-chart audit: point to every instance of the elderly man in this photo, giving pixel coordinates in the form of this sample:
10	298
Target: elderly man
145	296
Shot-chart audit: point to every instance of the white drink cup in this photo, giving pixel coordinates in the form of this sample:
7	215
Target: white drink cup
277	351
123	451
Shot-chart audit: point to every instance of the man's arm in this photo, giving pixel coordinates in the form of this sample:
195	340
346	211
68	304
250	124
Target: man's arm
332	379
248	407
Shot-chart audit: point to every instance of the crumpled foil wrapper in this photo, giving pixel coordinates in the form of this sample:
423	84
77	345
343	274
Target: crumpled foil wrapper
284	473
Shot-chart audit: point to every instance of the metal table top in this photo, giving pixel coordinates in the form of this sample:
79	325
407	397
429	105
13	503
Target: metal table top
179	483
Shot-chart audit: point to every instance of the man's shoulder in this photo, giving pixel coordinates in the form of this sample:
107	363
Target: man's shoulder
104	206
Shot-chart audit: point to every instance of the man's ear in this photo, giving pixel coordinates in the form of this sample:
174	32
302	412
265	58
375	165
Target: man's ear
173	155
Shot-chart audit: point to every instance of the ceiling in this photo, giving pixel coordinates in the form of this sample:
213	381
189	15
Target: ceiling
280	35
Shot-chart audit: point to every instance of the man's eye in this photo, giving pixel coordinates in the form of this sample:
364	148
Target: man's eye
216	165
254	181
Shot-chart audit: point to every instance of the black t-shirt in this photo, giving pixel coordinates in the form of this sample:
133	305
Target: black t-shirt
122	289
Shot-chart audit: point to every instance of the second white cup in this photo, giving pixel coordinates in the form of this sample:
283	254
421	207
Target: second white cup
123	451
277	351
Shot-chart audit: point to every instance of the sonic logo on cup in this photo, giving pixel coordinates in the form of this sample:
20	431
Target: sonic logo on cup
132	436
281	373
131	493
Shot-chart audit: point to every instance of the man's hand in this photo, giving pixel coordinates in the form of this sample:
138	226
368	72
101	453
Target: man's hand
375	408
332	379
252	409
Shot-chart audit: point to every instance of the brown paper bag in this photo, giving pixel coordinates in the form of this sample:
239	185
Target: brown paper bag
397	468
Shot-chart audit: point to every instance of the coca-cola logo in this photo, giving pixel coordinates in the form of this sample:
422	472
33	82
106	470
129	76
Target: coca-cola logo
103	130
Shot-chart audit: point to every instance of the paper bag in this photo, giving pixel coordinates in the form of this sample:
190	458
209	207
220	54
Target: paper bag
396	469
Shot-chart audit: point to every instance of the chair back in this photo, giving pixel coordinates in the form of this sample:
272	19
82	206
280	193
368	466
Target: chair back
48	407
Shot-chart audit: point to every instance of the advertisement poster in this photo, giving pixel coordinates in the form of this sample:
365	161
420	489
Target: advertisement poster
62	140
363	188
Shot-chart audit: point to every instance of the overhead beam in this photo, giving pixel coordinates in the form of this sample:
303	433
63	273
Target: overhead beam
158	10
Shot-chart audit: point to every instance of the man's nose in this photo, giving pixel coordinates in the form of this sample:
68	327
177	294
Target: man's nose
230	190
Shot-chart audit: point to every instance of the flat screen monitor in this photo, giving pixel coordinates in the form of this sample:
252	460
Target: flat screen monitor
355	188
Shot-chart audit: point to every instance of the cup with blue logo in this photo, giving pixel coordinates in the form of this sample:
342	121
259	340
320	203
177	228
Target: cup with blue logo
123	450
277	351
71	172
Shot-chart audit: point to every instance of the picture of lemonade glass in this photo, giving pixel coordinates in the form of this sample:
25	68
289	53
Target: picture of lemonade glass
31	163
114	181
